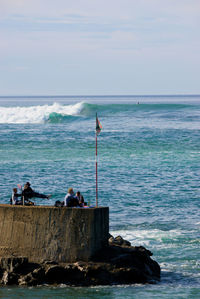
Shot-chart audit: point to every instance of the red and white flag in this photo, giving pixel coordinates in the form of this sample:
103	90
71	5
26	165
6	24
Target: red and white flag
98	125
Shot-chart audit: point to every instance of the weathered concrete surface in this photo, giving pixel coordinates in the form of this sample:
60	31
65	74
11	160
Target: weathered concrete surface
54	234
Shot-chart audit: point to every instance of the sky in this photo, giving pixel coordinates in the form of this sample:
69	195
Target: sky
98	47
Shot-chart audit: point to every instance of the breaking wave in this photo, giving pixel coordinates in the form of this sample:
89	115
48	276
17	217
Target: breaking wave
59	113
39	114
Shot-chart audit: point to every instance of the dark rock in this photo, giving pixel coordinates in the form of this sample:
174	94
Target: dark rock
33	278
55	274
117	263
143	249
98	274
50	263
9	278
111	240
128	275
118	241
12	263
27	280
27	268
109	236
135	261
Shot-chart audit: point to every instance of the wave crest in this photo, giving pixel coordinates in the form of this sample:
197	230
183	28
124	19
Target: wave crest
39	114
58	113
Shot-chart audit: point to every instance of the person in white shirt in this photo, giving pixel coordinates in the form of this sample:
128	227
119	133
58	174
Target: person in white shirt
70	199
15	197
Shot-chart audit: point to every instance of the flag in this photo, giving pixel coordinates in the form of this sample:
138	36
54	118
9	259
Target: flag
98	125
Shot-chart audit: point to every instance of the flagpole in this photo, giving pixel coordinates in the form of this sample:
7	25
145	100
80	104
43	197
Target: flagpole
96	171
98	130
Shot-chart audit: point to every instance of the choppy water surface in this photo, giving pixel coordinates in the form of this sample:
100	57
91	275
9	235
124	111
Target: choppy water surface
149	157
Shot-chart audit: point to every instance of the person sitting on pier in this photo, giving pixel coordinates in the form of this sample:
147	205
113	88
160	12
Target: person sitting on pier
15	198
80	198
70	199
29	193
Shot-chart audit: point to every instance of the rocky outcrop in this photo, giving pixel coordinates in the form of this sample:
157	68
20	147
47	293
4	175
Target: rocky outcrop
118	263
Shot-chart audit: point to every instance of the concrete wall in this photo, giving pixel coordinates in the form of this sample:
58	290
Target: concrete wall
49	233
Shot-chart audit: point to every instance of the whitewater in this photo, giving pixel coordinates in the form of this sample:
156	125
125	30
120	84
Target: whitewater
149	168
36	114
57	112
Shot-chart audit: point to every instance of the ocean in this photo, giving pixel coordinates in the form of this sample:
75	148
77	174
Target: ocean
148	175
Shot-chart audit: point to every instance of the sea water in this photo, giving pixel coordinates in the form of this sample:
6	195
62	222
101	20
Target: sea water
148	175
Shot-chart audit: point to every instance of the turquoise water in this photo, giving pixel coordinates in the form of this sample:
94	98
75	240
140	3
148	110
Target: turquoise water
148	157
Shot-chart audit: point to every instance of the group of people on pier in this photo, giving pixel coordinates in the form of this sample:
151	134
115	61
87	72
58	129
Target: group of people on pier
24	198
72	200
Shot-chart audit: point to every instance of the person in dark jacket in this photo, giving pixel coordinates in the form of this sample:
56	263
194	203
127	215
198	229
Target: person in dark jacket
29	193
80	198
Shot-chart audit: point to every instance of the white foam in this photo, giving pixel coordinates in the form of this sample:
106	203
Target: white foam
36	114
147	237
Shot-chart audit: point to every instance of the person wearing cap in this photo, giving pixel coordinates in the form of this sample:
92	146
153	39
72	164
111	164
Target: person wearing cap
70	199
29	193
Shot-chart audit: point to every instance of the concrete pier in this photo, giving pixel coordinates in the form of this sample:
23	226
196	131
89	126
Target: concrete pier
54	234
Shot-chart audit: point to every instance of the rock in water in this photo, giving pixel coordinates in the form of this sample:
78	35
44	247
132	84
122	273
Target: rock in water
118	263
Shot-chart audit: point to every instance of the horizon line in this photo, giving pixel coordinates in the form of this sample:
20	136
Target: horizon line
103	95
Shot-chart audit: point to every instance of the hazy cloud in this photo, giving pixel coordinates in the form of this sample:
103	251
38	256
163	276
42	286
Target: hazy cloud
101	34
